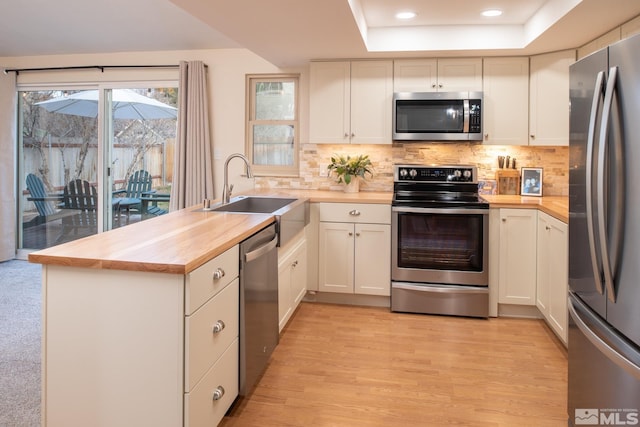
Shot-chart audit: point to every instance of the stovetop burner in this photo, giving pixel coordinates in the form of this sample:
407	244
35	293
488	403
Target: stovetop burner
436	186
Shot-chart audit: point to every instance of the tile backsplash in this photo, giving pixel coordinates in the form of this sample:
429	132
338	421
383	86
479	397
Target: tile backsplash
315	157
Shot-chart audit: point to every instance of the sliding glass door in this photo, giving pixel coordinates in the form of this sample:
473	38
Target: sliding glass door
92	159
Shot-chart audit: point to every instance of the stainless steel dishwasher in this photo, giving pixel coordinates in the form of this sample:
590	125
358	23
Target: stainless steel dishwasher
258	305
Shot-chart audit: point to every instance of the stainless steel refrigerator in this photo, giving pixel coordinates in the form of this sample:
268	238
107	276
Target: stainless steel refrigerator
604	237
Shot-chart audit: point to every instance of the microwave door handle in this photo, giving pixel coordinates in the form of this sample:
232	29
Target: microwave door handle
596	262
465	125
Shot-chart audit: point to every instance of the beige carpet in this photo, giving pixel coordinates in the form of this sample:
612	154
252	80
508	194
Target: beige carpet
20	334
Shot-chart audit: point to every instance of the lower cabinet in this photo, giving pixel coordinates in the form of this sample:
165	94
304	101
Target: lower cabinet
552	273
355	256
517	257
292	278
533	266
132	348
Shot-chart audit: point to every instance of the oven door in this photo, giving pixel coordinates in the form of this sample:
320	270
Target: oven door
440	245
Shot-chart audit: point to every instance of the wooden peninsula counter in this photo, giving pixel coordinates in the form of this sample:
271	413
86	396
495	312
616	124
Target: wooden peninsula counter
140	324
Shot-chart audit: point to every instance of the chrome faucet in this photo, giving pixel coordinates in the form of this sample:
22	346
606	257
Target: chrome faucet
226	189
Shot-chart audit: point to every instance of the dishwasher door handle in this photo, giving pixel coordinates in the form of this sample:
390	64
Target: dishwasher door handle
257	253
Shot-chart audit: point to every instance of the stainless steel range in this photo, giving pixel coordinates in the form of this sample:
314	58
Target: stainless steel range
439	226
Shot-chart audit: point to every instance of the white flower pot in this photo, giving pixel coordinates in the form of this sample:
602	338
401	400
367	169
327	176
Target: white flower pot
353	186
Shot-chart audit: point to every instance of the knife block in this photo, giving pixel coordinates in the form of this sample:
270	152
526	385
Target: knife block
508	181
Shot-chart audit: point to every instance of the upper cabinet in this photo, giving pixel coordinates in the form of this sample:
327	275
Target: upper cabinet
506	101
602	41
437	75
350	102
549	98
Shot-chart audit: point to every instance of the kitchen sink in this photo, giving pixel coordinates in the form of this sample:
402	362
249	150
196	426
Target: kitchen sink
292	215
252	204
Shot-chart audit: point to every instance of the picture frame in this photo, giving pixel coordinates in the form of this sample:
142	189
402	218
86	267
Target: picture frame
531	182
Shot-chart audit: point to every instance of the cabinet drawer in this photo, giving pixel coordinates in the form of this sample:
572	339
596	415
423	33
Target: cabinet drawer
203	282
203	346
355	212
199	407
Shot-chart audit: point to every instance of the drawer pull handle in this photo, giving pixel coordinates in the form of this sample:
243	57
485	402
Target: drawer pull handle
218	274
218	393
354	212
218	327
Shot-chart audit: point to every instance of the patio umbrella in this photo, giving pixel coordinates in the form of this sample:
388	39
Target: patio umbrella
127	104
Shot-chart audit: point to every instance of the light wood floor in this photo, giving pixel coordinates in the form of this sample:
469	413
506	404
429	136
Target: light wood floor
360	366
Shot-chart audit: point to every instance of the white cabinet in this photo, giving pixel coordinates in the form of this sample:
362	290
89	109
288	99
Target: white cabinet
350	102
549	98
292	278
630	28
517	257
132	348
552	273
506	101
355	248
599	43
437	75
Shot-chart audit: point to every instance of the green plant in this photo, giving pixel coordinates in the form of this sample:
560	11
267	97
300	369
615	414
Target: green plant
348	167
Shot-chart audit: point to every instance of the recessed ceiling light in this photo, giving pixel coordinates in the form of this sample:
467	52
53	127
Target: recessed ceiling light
492	12
405	15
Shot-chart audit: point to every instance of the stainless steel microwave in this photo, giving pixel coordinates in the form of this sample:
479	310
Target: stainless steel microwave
437	116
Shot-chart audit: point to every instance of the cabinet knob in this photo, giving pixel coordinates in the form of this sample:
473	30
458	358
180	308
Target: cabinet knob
547	227
504	219
346	135
353	135
218	393
486	136
532	136
218	274
218	327
433	86
357	234
295	263
440	85
354	212
350	234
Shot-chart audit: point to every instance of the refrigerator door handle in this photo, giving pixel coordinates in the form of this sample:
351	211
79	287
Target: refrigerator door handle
599	343
596	262
609	262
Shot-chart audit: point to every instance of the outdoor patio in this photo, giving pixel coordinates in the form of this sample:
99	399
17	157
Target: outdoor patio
53	233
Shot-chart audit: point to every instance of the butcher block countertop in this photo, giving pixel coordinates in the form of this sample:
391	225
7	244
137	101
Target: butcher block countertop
176	243
180	242
326	196
556	206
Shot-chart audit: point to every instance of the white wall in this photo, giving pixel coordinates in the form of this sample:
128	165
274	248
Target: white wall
227	70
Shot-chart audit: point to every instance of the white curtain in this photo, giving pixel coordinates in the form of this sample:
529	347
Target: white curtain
193	167
8	104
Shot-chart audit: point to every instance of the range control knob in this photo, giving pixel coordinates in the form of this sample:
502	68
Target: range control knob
467	174
413	173
457	173
403	173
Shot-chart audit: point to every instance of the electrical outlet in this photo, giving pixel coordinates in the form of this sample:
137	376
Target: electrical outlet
323	172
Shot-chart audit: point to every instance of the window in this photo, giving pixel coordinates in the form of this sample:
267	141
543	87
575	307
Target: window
61	139
272	124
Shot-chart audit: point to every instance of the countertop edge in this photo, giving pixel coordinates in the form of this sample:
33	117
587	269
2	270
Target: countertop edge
556	206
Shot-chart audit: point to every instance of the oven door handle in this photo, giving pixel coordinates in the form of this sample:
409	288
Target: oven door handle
440	211
456	289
